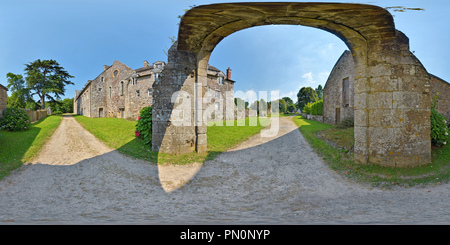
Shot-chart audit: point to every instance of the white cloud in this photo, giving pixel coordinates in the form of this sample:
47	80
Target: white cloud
309	77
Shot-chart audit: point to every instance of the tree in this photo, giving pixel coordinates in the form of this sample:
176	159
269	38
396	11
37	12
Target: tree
19	94
319	91
288	100
46	78
67	105
306	95
291	108
282	105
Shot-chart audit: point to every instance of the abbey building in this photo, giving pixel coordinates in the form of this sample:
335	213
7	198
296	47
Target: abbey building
122	92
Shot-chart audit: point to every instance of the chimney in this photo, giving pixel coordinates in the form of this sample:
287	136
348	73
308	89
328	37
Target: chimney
229	73
105	67
146	64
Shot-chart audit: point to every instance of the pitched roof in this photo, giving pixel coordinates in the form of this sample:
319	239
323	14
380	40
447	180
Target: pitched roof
1	86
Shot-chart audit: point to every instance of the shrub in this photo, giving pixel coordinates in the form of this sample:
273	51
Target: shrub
439	130
317	108
144	125
347	122
307	108
57	112
14	119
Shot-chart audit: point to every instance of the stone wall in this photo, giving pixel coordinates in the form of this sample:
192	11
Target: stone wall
3	99
338	91
36	115
443	88
220	94
344	68
140	89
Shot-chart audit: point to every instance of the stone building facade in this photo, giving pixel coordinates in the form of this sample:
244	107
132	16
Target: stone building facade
122	92
338	94
338	91
3	99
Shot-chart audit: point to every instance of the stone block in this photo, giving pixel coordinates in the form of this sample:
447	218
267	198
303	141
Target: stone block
361	118
202	139
360	101
406	100
380	118
384	84
418	118
379	100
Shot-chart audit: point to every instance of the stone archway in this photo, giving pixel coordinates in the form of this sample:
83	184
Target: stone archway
392	112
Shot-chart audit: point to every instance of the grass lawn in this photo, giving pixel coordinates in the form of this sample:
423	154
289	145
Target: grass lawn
339	155
119	134
17	148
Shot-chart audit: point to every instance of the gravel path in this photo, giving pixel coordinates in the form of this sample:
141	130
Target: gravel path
278	180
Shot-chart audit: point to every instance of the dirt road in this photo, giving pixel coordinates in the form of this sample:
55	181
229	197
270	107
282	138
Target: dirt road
275	180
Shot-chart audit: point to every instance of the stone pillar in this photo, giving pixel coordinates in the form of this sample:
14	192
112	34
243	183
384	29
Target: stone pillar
201	102
392	106
173	128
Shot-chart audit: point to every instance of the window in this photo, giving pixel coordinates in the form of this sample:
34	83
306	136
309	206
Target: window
121	93
137	93
115	73
150	92
217	94
102	79
345	92
216	106
110	92
220	80
99	89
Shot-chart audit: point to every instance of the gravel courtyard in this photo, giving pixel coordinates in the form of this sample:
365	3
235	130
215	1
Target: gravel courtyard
265	180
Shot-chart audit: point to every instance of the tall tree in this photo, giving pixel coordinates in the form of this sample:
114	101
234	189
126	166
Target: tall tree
46	79
319	91
306	95
282	105
288	100
19	94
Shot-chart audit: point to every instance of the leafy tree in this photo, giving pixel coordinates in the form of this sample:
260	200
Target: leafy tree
306	95
291	107
46	78
288	100
319	91
19	94
67	105
282	105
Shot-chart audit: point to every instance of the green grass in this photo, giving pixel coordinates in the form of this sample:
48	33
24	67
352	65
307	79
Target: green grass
119	134
341	160
17	148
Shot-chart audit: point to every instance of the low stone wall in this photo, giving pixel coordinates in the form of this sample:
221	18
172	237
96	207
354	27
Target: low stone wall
318	118
36	115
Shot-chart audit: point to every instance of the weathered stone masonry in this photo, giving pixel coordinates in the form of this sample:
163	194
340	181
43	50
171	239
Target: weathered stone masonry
3	99
339	92
391	87
122	92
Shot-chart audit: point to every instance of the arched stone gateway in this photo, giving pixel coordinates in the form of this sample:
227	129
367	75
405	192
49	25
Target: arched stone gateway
392	100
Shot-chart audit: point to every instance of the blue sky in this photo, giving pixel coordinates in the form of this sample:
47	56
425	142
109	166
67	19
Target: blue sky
84	35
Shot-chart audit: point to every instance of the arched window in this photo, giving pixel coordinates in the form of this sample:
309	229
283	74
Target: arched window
121	83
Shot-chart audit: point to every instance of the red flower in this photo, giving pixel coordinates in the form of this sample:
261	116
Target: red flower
136	133
139	117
